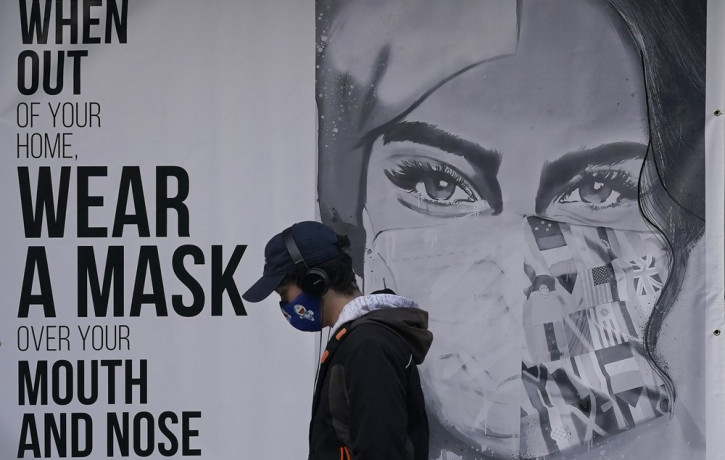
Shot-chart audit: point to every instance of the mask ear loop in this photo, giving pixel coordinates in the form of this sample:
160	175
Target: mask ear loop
298	260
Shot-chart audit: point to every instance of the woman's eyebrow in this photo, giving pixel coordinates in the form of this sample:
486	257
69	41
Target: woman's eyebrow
559	172
426	134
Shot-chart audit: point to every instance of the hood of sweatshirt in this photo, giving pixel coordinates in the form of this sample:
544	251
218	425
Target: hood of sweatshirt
397	313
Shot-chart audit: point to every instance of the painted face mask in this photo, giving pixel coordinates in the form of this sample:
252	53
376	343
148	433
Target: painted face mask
303	312
537	327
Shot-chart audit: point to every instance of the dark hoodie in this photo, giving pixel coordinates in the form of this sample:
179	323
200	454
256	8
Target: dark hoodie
368	401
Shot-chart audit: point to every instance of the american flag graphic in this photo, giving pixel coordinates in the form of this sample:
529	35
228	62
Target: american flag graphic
600	286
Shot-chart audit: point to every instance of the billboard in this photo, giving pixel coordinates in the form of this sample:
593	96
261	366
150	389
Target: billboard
544	177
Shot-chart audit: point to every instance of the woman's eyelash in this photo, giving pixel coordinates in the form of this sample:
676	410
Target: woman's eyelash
600	189
618	178
409	173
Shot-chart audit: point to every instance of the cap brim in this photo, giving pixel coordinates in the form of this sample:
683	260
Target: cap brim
262	288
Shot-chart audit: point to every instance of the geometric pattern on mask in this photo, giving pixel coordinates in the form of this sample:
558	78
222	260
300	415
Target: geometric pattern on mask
584	376
577	333
583	399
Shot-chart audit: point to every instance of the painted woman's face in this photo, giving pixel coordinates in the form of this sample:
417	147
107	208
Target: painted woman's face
526	168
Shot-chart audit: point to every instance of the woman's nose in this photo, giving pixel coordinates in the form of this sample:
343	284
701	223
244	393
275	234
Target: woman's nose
519	181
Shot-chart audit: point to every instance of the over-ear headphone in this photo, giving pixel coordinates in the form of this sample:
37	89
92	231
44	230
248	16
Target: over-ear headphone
315	281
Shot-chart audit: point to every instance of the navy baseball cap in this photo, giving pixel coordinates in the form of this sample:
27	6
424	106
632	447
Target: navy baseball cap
316	242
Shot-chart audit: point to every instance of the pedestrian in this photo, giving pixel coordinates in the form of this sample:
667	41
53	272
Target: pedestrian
368	401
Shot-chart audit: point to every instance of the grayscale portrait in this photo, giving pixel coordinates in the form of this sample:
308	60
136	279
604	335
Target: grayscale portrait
532	173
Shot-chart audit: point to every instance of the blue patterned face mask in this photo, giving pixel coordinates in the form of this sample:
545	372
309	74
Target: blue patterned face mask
303	312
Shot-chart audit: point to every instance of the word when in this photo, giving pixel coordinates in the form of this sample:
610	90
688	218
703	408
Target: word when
35	24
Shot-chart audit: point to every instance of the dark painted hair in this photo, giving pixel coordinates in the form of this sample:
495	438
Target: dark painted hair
670	35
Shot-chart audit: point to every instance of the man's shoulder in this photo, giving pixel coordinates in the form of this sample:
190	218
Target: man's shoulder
373	337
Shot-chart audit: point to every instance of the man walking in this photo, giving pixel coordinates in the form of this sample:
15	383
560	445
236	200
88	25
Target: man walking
368	403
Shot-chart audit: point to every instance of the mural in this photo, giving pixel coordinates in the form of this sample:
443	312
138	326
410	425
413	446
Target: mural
532	173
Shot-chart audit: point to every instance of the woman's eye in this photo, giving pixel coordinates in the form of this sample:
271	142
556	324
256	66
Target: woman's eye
433	183
441	190
594	191
600	190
